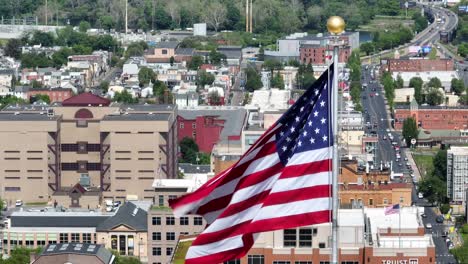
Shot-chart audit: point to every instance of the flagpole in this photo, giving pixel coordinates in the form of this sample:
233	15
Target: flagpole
335	26
399	226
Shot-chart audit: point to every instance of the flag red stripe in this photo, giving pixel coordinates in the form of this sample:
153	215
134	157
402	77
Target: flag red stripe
291	171
253	179
225	255
290	221
320	191
238	171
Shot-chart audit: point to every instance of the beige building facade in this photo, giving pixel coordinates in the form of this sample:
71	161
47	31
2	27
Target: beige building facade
84	147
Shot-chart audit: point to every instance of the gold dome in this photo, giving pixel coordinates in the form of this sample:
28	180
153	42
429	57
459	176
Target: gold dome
335	25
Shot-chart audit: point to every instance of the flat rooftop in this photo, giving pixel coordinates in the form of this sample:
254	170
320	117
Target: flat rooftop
409	219
27	116
138	117
191	184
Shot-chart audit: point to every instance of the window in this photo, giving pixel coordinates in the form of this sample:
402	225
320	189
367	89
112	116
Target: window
184	220
371	201
75	237
385	201
12	189
169	251
156	251
82	147
289	237
156	220
255	259
281	262
161	200
305	237
164	51
321	245
303	262
194	125
170	236
197	220
63	237
156	235
236	261
81	123
314	230
170	220
349	262
182	125
324	262
87	238
172	197
401	199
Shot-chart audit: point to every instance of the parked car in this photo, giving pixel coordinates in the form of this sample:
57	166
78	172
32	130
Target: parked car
444	234
440	219
19	203
420	195
423	215
429	226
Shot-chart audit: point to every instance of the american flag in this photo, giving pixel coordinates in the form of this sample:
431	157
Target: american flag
282	181
392	209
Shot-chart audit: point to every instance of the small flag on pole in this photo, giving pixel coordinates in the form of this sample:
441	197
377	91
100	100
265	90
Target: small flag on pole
392	209
282	181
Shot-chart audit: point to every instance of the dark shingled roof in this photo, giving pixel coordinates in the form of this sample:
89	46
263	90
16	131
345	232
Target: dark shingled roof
129	215
86	99
71	249
56	221
167	45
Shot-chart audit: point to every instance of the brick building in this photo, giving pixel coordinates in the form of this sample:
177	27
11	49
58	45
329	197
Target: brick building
365	236
317	54
432	117
55	95
374	195
417	65
210	125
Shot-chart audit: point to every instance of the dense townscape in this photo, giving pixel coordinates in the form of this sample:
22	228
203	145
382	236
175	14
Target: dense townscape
116	116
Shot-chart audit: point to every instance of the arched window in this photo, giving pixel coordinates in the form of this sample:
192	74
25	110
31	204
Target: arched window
83	113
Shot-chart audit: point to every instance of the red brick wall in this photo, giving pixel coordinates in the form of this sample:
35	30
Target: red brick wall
418	65
55	96
206	132
307	54
434	118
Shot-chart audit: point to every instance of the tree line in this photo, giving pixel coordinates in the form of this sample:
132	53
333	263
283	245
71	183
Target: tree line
283	16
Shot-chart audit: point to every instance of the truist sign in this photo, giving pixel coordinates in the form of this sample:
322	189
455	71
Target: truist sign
403	261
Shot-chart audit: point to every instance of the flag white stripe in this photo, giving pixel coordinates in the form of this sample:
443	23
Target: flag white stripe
294	208
215	247
295	183
246	193
311	155
253	153
240	217
230	187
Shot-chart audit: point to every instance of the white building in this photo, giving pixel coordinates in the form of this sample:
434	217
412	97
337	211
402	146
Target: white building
457	174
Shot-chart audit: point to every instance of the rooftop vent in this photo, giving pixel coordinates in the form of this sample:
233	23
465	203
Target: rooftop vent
51	248
135	211
63	247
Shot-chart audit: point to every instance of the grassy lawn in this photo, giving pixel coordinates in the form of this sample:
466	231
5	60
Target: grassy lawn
424	163
182	248
461	253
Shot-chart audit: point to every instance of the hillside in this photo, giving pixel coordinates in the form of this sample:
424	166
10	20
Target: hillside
280	16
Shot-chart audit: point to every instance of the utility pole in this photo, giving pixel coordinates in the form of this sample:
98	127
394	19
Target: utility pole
246	15
46	12
126	17
251	13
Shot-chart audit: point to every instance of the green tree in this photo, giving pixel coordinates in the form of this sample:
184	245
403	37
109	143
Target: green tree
399	82
434	82
457	86
107	22
464	98
33	60
434	189
189	150
434	97
13	48
84	26
205	78
124	97
233	16
305	76
60	57
20	255
216	58
367	47
145	76
277	81
272	65
104	86
420	22
42	38
195	63
417	84
261	54
1	204
410	130
254	80
171	60
214	98
162	93
433	54
440	164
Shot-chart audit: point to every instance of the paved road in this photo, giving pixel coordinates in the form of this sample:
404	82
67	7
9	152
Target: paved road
376	113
